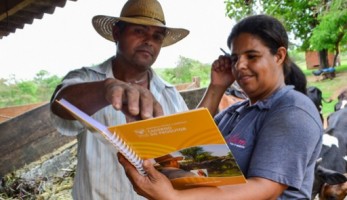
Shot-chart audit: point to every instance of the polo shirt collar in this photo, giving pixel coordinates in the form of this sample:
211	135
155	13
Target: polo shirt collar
268	103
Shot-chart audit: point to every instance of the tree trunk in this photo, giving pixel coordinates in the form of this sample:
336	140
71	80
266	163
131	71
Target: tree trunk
337	48
335	60
323	59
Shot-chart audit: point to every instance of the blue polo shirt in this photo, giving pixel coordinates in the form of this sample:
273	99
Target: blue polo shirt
278	138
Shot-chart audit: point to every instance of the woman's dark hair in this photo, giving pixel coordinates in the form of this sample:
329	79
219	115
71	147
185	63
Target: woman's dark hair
273	35
296	77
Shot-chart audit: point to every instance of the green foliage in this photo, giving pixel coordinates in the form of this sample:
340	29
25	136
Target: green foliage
324	22
332	28
330	88
319	24
204	156
301	25
185	71
40	89
192	153
299	17
297	56
47	84
238	9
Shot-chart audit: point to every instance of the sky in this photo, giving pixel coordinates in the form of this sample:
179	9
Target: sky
66	40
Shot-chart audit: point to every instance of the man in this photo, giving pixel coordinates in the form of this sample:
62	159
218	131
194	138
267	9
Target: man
122	84
170	167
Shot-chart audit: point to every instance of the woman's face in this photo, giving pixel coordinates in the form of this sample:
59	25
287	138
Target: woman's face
258	72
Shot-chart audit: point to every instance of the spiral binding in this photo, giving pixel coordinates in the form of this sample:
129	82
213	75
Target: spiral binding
127	152
113	138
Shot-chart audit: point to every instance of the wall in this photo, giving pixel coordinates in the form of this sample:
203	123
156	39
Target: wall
8	113
27	138
312	59
31	140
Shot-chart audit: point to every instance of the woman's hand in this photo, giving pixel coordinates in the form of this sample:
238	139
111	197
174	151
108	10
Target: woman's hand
221	74
153	186
221	79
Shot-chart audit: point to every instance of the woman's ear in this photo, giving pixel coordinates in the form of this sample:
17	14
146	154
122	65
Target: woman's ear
281	55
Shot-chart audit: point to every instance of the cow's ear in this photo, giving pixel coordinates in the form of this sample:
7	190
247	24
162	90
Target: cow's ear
336	178
329	176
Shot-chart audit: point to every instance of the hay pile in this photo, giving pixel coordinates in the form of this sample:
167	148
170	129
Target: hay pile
49	178
40	188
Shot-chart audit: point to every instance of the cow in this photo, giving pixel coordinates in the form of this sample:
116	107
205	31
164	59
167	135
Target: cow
335	184
341	100
316	95
232	95
330	167
334	191
334	151
337	126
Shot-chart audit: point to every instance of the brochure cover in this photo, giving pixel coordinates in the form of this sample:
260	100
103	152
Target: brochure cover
187	147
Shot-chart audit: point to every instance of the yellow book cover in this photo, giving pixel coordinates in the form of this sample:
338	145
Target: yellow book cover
187	147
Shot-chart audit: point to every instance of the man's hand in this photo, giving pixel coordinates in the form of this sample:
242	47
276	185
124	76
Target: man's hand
133	100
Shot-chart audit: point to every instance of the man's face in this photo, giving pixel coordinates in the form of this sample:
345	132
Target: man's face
139	45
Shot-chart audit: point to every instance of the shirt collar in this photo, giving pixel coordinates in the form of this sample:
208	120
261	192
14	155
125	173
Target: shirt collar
104	68
268	102
265	104
156	83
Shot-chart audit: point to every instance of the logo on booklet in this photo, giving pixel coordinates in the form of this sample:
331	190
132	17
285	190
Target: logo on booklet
140	132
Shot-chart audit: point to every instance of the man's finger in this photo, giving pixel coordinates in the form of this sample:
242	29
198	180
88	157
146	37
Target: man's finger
157	109
115	94
147	100
132	100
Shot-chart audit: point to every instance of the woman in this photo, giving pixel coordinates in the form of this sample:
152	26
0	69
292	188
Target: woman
275	135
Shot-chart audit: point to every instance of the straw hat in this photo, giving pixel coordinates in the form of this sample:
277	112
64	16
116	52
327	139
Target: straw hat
144	12
166	158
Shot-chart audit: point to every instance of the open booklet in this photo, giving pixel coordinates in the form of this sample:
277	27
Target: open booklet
187	147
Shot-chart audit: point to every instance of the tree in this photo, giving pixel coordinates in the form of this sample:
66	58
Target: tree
185	71
40	89
181	73
300	17
46	84
204	156
332	29
301	25
193	153
28	91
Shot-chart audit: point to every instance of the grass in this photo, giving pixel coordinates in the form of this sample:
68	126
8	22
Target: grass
329	88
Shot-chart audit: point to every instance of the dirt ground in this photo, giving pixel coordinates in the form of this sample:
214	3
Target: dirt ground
340	75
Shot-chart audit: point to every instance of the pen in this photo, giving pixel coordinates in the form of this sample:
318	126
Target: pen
225	53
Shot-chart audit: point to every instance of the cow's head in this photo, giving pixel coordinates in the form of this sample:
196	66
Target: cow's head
324	179
333	192
342	100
